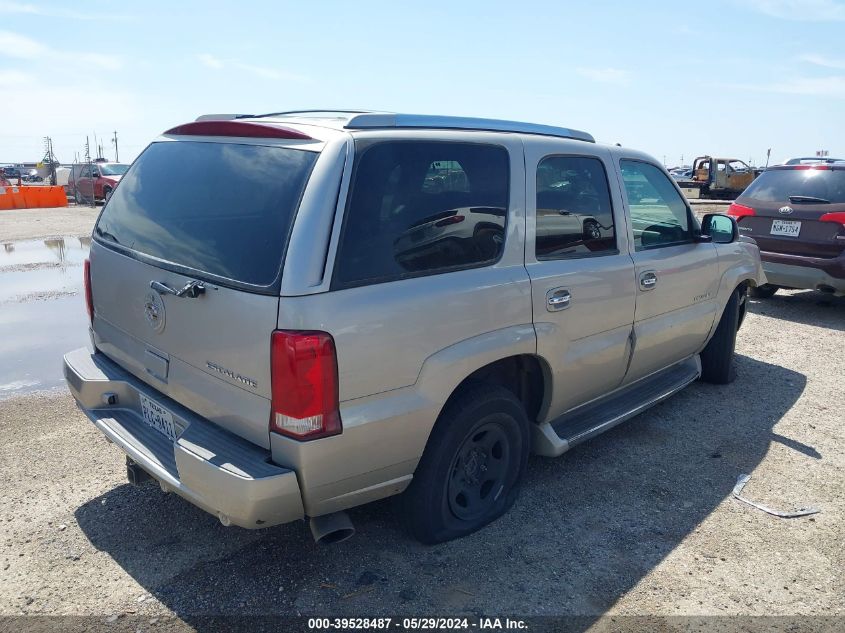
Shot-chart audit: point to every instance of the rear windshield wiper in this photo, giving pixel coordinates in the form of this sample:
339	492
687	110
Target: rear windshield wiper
809	199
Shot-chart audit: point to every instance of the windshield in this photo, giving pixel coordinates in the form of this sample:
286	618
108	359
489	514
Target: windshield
112	169
217	208
776	185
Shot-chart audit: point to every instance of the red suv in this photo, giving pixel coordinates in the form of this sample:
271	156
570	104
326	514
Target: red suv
97	179
796	213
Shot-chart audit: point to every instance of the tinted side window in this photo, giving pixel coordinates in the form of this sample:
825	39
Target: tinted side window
658	212
418	208
574	213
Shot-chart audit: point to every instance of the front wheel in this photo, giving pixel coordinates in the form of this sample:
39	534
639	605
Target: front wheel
470	471
717	358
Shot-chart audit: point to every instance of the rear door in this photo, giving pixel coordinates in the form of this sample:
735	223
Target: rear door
788	204
582	277
677	277
195	212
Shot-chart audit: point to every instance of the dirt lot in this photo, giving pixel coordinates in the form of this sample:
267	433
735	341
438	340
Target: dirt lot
30	224
637	521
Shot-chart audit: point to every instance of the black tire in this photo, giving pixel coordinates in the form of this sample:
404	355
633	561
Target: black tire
717	359
766	291
106	193
479	445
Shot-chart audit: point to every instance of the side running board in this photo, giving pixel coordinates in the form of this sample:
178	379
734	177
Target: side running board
580	424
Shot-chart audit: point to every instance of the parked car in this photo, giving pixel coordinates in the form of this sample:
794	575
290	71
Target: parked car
12	173
324	329
796	214
32	175
95	179
717	178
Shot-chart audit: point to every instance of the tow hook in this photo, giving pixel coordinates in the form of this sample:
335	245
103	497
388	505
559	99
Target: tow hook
135	474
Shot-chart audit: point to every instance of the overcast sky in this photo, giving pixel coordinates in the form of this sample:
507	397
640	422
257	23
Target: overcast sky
726	77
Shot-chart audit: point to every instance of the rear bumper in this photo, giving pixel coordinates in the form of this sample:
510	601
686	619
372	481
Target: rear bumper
215	470
796	271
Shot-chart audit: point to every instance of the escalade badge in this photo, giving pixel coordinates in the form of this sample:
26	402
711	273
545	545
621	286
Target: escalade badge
154	311
785	210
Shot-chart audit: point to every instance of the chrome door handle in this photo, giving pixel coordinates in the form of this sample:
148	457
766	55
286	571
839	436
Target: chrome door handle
648	280
192	289
558	299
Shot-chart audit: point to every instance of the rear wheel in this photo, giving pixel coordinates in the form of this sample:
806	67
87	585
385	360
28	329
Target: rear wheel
766	291
470	472
717	359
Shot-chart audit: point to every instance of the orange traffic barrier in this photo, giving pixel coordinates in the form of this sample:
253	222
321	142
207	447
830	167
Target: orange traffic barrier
58	196
33	197
18	200
6	199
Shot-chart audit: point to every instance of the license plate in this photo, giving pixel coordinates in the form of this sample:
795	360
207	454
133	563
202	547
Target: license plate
158	417
790	228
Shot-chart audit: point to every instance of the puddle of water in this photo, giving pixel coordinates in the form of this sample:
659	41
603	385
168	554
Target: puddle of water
42	311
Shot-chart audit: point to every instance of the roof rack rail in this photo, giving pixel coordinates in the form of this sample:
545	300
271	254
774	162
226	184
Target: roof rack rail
222	117
369	120
317	114
372	119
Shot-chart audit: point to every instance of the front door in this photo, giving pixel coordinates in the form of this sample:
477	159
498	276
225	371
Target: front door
676	275
582	277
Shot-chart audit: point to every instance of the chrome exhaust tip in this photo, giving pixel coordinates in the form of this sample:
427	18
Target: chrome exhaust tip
331	528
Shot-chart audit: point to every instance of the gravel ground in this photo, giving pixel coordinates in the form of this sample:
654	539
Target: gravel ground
32	224
639	521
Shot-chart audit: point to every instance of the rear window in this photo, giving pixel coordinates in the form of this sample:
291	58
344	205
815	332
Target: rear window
776	185
217	208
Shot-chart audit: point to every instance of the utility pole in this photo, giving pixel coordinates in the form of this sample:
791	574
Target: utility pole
50	159
114	142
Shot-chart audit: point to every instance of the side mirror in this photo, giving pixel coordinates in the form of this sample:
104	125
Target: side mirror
95	174
721	228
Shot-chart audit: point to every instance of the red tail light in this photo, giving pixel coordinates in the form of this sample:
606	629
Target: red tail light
303	369
740	211
834	217
89	298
